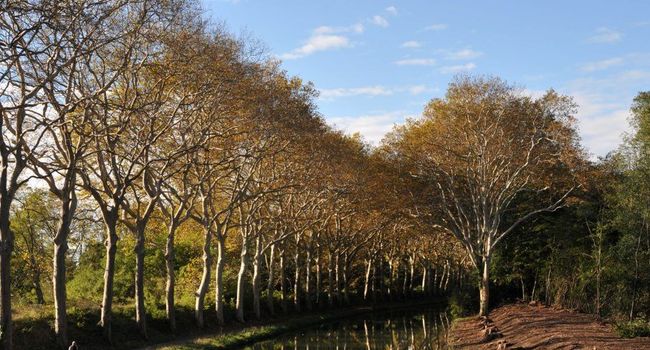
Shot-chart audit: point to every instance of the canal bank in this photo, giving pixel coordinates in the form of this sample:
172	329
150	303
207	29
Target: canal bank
238	336
524	326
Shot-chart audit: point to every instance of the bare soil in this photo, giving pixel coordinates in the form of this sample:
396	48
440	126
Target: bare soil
523	326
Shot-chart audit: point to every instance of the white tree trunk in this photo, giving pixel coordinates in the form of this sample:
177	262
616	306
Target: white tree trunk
205	279
218	276
270	285
109	274
484	288
257	278
243	266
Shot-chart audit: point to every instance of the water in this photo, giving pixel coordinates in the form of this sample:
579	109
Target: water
417	328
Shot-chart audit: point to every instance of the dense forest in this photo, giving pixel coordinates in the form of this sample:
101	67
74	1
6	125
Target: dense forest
158	169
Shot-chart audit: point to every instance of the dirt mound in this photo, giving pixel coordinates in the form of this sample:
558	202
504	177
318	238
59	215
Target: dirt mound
523	326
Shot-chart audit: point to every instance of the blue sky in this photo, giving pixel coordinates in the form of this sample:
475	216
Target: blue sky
377	62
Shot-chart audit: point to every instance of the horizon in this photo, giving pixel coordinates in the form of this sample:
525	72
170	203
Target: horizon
377	63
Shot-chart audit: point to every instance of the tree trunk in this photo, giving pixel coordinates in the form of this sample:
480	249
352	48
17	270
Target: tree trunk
346	287
411	275
366	284
257	278
448	277
283	287
36	282
337	276
484	287
109	273
170	308
296	285
6	247
434	281
391	280
218	277
317	288
270	285
68	206
205	279
243	266
330	281
308	259
405	282
634	284
140	312
424	279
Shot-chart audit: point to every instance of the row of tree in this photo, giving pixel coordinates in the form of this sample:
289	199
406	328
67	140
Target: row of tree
135	121
142	121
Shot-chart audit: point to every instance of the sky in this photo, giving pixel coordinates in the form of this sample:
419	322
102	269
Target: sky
378	62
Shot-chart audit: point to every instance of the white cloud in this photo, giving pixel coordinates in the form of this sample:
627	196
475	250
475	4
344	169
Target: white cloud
379	20
372	126
411	44
605	35
458	68
436	27
392	10
604	105
355	28
372	91
419	89
416	62
324	38
377	90
601	65
464	54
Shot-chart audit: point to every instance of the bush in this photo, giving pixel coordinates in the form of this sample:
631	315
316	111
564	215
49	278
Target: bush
635	328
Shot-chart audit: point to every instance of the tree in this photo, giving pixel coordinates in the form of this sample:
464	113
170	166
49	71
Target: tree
483	146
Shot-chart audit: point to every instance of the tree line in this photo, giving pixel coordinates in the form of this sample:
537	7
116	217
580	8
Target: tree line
138	122
153	158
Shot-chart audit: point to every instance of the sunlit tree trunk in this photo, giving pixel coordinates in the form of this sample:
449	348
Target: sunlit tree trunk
243	266
221	261
283	285
205	279
484	287
257	278
366	285
109	273
296	285
308	260
270	283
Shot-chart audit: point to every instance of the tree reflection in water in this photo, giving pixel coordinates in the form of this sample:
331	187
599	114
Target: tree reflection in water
425	329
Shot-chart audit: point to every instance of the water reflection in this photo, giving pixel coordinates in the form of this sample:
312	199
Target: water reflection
423	328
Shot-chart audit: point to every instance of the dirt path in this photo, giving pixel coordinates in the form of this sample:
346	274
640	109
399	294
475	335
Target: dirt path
535	327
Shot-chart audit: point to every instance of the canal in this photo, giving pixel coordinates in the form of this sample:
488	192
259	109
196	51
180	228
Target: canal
424	327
